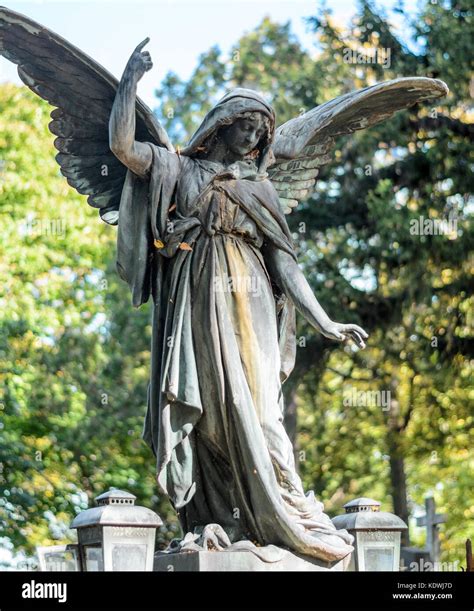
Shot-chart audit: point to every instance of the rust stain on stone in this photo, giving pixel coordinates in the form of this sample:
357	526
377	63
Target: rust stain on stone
246	336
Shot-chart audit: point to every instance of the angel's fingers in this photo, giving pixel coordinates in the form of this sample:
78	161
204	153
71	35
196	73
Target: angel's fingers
360	331
356	329
357	339
142	44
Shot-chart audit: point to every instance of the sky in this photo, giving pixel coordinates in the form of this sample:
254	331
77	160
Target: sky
180	30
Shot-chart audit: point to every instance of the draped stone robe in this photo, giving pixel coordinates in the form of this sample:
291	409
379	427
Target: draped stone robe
193	235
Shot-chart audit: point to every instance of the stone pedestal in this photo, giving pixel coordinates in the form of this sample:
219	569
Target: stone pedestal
240	561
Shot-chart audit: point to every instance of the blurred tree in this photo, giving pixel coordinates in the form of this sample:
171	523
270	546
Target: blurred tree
411	290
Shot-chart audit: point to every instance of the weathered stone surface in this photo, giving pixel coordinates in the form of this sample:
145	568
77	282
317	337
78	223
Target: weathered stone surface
241	561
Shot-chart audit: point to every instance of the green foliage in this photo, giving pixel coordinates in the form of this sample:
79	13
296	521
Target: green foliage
410	291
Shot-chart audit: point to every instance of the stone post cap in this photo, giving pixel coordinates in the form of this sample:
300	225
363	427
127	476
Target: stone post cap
362	504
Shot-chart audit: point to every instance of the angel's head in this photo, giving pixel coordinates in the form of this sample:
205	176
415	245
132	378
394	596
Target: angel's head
242	122
247	136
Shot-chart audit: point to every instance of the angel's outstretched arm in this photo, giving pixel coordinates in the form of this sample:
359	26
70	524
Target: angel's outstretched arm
290	279
135	155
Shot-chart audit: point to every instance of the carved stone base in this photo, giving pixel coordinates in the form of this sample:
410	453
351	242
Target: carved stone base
240	561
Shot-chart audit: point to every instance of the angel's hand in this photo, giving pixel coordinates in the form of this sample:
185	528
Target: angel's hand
336	330
139	62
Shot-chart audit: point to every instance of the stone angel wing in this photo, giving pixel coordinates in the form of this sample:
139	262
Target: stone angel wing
303	144
83	93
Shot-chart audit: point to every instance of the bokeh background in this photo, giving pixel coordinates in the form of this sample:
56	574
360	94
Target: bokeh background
74	355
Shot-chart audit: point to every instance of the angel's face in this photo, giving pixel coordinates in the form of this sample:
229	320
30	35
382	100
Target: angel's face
242	136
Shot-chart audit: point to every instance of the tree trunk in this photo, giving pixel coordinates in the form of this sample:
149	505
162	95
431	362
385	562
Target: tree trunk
398	481
395	430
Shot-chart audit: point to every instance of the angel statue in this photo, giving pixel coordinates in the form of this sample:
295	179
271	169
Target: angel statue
203	232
